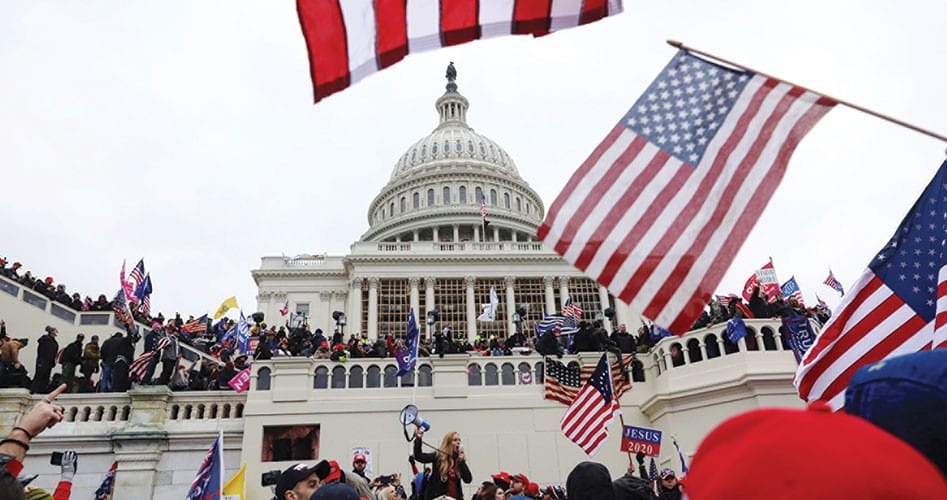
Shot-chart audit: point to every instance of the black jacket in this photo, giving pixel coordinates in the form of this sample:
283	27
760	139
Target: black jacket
629	487
73	353
435	486
46	351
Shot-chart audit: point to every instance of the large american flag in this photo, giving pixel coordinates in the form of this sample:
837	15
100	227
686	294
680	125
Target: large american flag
595	406
562	382
140	365
351	39
897	306
658	211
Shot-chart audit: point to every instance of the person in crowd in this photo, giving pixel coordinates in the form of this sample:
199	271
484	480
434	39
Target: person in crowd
669	488
76	302
338	491
590	481
90	357
518	484
27	279
46	351
108	352
548	345
169	356
759	303
486	491
67	472
585	339
62	296
44	414
629	487
125	353
71	359
297	482
359	462
102	304
448	466
14	374
151	343
624	340
553	492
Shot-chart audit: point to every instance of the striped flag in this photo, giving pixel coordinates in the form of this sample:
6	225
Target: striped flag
571	309
285	310
198	325
834	283
120	305
724	300
896	307
138	274
140	365
351	39
658	211
104	492
595	406
790	290
562	382
483	207
555	323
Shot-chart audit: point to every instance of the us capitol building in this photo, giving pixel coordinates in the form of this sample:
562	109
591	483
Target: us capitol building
426	248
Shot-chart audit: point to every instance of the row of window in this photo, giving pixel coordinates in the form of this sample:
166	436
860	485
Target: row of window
461	199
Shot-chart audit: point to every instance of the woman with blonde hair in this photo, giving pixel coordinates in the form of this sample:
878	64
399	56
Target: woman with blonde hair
448	466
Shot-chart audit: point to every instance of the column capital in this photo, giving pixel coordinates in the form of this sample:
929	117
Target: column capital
549	280
325	295
340	293
470	280
414	281
509	281
563	281
357	282
373	282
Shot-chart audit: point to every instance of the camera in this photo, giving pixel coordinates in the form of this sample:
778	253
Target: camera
56	459
270	478
386	479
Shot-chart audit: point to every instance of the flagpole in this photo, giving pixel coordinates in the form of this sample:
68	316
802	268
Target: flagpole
621	414
876	114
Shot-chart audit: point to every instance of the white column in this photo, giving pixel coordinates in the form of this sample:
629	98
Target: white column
509	281
428	301
563	289
476	229
550	295
415	298
496	233
469	281
354	314
372	308
603	299
456	233
325	310
416	235
435	234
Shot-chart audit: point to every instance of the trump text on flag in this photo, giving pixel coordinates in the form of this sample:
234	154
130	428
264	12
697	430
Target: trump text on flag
641	439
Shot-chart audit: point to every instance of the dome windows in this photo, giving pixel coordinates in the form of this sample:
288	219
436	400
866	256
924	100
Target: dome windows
446	195
519	205
506	200
479	193
424	151
459	147
493	197
434	150
417	200
430	197
470	148
463	194
404	204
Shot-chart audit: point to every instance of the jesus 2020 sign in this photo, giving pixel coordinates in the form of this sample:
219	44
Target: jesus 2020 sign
641	439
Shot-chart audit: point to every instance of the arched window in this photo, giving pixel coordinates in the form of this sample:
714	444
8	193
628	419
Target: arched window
492	375
713	348
263	379
479	195
493	197
404	204
769	340
446	195
417	200
356	377
338	377
391	209
463	194
473	375
373	378
430	197
390	379
693	350
506	200
321	380
508	375
519	205
425	376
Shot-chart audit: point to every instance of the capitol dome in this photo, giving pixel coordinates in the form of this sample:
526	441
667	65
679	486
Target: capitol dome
439	181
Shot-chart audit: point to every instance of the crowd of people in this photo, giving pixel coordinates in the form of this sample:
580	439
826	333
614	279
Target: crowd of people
56	292
761	305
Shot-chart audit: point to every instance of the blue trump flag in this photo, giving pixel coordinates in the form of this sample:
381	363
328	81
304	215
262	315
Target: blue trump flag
209	480
243	334
408	358
799	335
736	329
658	333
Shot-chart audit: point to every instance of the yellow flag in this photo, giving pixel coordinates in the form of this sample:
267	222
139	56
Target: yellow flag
234	487
227	305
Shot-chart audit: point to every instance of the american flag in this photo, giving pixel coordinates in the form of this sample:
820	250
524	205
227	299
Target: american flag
593	409
653	473
834	283
198	325
140	365
349	40
658	211
571	309
120	306
724	300
108	484
562	382
790	290
897	306
138	274
285	310
483	207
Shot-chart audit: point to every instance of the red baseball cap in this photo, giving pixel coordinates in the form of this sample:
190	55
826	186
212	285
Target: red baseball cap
501	479
359	458
521	478
812	453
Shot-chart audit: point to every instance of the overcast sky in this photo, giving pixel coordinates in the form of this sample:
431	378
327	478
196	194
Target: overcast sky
184	132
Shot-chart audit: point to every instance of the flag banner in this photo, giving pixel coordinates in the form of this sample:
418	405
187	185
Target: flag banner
736	329
681	456
408	358
235	487
562	382
243	334
144	288
896	307
658	333
765	278
483	208
791	290
800	335
490	310
570	309
225	306
127	286
653	473
104	492
834	283
586	420
560	325
209	479
138	274
659	210
351	39
140	365
122	313
198	325
285	310
641	439
241	381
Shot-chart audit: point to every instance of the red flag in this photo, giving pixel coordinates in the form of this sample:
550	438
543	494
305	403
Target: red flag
659	210
351	39
765	278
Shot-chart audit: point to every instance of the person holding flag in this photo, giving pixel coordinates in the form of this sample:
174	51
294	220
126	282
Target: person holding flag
208	482
408	357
